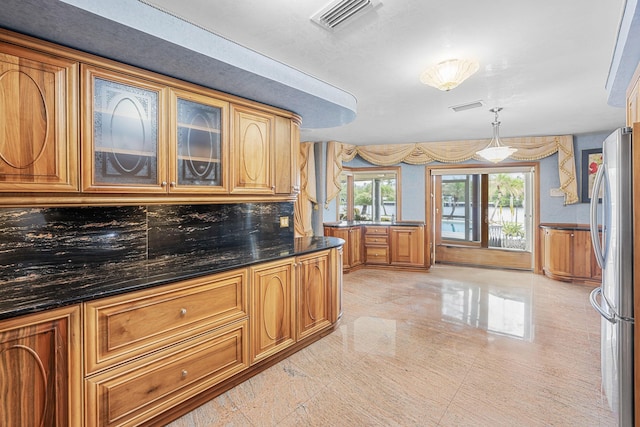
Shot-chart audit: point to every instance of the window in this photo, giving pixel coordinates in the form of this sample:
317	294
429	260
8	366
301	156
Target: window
369	194
485	208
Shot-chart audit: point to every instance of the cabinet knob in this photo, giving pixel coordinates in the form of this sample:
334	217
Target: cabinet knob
183	312
184	373
273	187
173	184
164	183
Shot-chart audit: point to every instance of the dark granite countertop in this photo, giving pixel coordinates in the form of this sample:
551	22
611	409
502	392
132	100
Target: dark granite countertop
64	286
343	224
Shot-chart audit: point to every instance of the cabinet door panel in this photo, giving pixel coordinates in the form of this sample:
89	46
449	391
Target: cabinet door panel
199	154
355	246
38	117
36	366
558	252
407	246
273	311
287	146
314	293
252	152
122	133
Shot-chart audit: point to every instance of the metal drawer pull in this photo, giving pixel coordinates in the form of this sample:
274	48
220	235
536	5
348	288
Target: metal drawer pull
183	312
184	373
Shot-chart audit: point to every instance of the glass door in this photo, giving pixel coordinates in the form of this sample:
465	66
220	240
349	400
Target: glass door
122	128
199	143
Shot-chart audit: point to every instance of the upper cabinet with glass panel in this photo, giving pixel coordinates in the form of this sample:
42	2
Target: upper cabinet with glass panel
370	194
126	149
199	143
122	133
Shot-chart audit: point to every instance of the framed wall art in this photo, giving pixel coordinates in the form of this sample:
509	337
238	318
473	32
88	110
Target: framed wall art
591	162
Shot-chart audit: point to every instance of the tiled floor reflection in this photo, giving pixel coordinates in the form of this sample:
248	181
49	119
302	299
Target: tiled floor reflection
453	347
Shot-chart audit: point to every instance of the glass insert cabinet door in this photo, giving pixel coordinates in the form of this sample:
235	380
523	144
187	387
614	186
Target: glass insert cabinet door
123	126
198	140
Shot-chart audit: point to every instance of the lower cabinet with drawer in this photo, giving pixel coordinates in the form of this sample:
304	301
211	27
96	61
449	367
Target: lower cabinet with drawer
376	244
134	392
154	354
150	350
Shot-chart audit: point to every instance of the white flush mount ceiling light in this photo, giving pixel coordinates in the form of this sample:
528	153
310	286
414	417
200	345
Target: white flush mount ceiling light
449	74
496	152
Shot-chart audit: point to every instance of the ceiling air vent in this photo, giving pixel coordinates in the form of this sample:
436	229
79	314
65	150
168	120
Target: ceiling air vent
338	13
467	106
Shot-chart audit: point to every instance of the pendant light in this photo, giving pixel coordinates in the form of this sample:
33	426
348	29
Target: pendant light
496	152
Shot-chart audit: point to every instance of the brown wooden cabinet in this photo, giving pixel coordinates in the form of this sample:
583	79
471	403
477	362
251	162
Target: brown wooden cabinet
568	255
132	393
40	369
38	135
287	147
144	137
252	151
407	246
198	145
148	351
352	249
399	246
272	308
123	132
376	244
313	293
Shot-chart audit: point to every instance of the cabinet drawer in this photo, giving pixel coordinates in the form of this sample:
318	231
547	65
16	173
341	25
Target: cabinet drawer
127	326
376	229
377	255
376	240
136	391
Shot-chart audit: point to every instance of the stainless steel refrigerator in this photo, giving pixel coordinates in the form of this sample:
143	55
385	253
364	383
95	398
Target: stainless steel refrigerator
614	253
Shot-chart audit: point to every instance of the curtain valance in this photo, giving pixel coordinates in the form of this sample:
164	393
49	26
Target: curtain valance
529	148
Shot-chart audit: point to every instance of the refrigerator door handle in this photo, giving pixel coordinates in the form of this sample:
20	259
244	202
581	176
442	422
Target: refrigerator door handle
593	298
593	218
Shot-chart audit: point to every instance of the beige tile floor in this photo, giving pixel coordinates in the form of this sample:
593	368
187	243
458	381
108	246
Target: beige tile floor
453	347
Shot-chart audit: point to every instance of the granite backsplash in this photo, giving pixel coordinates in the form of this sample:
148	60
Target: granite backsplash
43	241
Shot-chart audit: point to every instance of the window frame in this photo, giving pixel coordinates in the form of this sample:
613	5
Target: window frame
351	172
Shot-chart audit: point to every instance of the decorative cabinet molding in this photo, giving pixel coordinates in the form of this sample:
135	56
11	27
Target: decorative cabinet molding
38	112
273	308
252	151
40	363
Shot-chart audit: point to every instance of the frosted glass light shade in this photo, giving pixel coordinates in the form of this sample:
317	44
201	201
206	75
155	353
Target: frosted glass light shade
448	74
496	154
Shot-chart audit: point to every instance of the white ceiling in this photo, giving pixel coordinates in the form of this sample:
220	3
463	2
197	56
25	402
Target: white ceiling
545	62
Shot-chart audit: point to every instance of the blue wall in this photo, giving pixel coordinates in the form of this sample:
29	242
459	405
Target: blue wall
552	209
